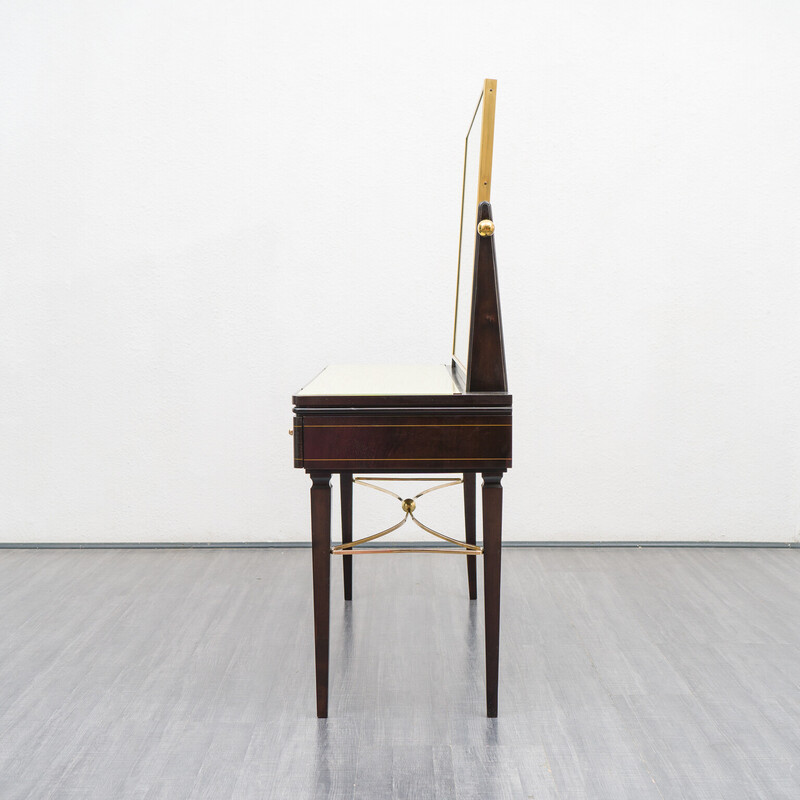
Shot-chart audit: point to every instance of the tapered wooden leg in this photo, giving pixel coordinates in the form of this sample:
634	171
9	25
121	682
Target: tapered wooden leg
346	488
492	540
469	526
321	562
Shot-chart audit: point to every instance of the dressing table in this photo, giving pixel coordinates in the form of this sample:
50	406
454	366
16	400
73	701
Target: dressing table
367	423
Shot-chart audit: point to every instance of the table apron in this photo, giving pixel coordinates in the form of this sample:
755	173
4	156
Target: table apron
439	441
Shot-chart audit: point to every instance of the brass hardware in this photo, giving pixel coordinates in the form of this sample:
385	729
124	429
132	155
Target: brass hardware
368	550
291	431
487	141
420	480
409	505
486	227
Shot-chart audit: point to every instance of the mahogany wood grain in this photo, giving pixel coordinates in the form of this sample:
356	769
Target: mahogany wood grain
486	367
346	495
492	497
415	440
469	528
321	564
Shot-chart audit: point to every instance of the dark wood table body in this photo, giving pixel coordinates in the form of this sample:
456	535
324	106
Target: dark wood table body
427	419
467	433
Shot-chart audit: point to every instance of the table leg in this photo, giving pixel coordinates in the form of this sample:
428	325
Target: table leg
321	563
492	542
469	526
346	492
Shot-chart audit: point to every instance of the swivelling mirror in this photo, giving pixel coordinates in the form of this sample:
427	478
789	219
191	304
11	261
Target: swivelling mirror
476	189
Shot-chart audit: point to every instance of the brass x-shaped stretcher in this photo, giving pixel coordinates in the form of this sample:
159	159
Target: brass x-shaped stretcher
409	505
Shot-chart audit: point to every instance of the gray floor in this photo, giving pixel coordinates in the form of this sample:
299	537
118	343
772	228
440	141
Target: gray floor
624	673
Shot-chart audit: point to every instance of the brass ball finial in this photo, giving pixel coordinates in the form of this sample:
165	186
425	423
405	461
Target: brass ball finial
486	227
409	505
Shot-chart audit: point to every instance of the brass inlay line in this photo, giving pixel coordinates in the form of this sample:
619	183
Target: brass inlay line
409	504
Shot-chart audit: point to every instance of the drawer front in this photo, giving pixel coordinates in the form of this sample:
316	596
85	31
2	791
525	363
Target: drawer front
404	442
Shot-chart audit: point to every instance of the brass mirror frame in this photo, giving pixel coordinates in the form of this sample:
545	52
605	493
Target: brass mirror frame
489	98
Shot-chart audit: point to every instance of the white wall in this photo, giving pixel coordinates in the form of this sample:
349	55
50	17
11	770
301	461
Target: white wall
203	203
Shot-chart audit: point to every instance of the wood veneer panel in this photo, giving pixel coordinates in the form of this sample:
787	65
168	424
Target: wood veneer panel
486	370
413	441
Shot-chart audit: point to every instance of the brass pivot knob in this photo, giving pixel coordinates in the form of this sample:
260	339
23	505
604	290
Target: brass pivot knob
486	227
409	505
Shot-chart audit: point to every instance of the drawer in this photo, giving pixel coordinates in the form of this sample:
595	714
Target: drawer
440	440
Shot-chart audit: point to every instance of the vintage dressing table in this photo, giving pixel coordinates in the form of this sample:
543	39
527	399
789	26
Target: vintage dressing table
435	420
